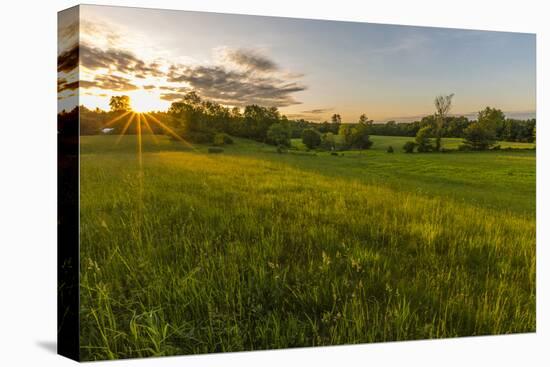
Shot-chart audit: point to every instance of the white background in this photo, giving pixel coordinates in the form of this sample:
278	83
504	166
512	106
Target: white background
28	51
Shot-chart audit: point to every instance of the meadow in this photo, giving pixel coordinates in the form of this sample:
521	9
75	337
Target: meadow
250	249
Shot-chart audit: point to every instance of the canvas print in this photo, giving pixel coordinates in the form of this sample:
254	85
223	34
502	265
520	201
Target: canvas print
239	183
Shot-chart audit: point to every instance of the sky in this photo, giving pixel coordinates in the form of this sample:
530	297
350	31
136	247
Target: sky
307	68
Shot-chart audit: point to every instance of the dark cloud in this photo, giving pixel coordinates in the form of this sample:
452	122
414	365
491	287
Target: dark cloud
236	88
95	58
68	60
318	110
63	84
111	82
255	83
120	60
251	59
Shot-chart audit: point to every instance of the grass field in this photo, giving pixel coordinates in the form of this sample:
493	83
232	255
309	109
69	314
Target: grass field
250	249
396	142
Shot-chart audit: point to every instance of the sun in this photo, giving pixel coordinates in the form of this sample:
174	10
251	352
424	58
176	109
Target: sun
144	101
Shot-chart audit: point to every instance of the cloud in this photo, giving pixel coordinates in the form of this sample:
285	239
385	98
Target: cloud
249	59
116	60
255	80
68	35
318	110
172	96
110	82
120	60
68	60
99	30
63	85
237	88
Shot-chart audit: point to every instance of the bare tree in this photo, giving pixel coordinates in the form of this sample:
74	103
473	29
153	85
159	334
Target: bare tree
443	106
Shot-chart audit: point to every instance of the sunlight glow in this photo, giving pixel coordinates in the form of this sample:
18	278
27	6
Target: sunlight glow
148	127
144	101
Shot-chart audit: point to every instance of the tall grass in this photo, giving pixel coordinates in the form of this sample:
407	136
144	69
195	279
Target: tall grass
236	252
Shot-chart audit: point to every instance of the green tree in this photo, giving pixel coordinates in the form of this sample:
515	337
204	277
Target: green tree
477	137
328	142
278	134
258	119
408	147
360	135
423	141
491	118
346	132
189	119
120	103
311	138
481	134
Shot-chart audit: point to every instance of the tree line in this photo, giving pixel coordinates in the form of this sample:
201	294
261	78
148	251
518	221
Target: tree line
507	129
202	121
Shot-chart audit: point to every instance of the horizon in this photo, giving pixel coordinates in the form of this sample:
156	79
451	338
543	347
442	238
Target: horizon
307	68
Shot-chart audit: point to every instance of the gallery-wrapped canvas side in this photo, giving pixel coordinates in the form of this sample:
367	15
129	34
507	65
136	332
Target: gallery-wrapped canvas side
67	184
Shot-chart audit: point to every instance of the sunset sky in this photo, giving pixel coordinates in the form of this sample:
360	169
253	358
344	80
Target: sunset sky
308	68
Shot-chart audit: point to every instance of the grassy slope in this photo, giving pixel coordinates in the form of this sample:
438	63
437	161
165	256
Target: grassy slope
252	250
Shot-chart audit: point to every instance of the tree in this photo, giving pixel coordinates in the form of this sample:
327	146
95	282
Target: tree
456	126
408	147
423	141
120	103
360	135
336	121
346	131
389	149
311	138
363	119
328	141
491	117
258	119
191	118
278	134
478	137
443	106
481	134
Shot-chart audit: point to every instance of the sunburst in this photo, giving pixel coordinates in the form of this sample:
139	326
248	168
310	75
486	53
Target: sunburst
139	119
145	120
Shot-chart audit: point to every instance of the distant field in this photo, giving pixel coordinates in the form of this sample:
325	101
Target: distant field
250	249
397	142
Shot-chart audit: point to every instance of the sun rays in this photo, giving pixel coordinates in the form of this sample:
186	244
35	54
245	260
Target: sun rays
146	119
137	119
140	122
